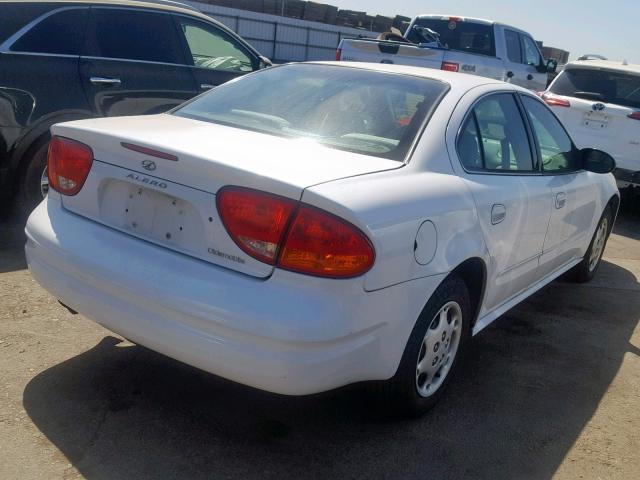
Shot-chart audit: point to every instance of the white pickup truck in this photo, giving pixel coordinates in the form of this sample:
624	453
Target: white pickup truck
459	44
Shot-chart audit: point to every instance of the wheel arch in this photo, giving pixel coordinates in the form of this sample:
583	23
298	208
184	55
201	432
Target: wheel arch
39	132
473	272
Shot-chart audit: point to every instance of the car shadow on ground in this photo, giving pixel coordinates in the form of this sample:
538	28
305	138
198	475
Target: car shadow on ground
530	384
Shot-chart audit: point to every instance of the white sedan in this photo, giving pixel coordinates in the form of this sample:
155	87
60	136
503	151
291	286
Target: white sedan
314	225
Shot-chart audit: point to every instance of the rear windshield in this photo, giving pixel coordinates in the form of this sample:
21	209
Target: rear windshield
462	36
373	113
603	85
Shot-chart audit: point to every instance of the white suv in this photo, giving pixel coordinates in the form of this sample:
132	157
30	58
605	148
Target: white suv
598	101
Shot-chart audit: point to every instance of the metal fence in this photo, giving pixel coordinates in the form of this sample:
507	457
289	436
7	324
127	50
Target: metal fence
283	39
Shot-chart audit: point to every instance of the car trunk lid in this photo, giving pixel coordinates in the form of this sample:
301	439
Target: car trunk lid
156	177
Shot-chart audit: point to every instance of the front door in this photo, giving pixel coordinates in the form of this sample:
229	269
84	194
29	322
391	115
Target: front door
573	192
512	198
523	61
133	63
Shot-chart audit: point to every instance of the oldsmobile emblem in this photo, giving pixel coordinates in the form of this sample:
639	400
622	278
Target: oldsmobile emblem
149	165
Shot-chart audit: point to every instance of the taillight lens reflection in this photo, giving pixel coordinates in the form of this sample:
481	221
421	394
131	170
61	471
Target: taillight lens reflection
68	165
255	220
319	243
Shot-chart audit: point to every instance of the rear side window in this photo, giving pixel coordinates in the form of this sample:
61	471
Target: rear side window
469	37
60	33
555	145
606	86
494	137
15	16
513	46
133	35
372	113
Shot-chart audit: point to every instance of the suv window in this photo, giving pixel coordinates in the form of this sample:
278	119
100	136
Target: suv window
60	33
133	35
462	36
607	86
556	148
17	15
530	51
211	48
494	137
513	46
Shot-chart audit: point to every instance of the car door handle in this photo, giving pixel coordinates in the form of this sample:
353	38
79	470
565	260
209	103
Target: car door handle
529	77
105	81
498	213
561	200
206	86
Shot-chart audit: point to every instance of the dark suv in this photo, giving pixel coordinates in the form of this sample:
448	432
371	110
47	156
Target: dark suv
64	60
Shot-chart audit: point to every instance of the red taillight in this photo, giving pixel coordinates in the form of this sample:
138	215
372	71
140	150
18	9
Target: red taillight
338	54
450	66
255	220
319	243
634	115
304	239
555	101
68	165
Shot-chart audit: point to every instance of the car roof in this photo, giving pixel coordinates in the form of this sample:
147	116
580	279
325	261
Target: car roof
462	80
461	17
605	65
168	5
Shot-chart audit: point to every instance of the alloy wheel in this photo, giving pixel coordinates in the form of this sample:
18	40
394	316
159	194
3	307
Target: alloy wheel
439	348
598	244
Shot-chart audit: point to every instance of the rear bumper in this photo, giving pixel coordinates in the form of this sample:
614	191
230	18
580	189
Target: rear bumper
289	334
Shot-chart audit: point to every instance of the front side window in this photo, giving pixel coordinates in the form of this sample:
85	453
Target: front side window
530	50
211	48
609	86
495	132
372	113
133	35
513	46
556	149
60	33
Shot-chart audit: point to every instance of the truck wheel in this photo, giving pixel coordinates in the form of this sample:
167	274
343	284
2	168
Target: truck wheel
433	352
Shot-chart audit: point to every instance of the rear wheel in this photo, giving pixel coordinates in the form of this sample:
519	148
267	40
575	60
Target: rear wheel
434	349
586	269
34	182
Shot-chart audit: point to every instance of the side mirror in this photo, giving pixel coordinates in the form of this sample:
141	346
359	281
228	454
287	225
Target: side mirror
265	62
552	65
597	161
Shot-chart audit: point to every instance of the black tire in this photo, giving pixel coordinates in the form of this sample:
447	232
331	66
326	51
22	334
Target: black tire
402	391
586	270
30	193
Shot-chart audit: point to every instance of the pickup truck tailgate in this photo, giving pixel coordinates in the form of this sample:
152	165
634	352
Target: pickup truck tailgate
390	52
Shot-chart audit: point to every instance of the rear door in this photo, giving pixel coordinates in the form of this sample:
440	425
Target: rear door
601	111
213	55
523	60
133	63
512	198
573	191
